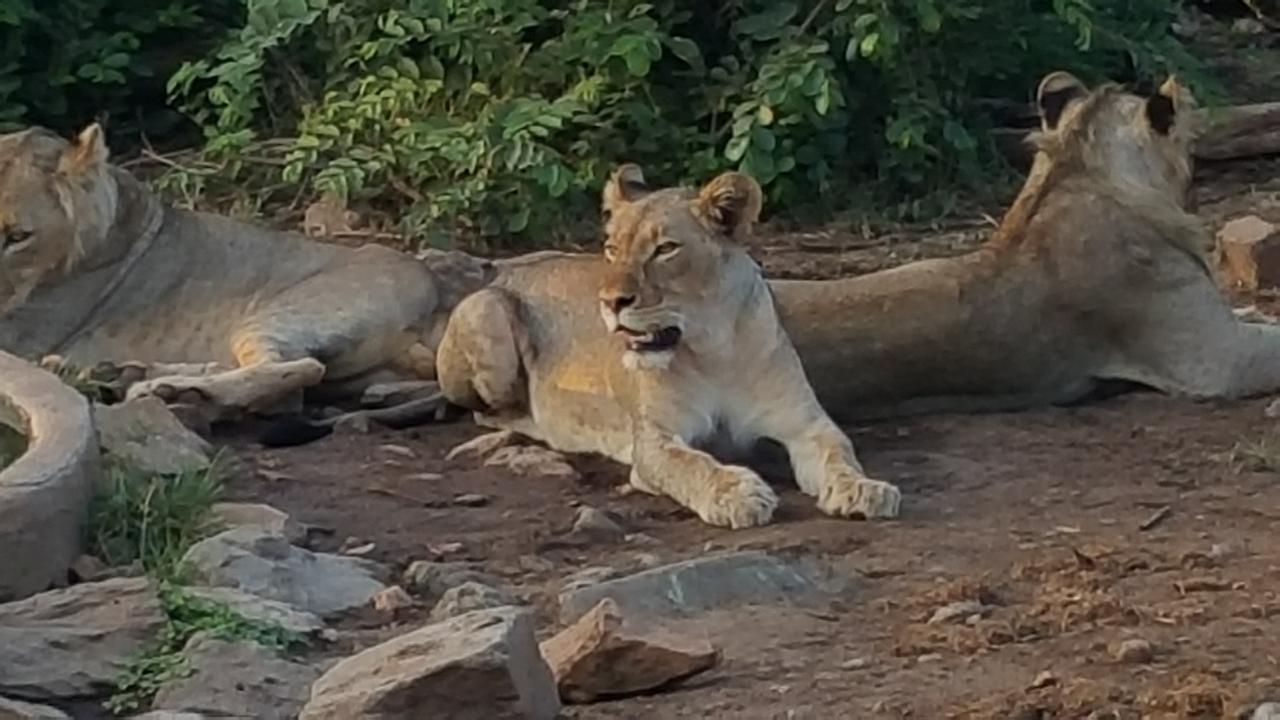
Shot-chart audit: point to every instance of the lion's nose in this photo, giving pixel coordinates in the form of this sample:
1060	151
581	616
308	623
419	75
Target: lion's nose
617	302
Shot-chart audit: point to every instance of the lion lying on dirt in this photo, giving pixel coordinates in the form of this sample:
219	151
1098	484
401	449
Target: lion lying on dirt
1096	273
94	268
693	325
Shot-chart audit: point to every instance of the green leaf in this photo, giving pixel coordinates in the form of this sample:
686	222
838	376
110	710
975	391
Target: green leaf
764	114
737	147
687	50
868	44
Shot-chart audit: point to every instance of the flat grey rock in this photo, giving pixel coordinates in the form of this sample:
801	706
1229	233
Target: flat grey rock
260	609
18	710
145	433
238	679
73	643
266	565
703	584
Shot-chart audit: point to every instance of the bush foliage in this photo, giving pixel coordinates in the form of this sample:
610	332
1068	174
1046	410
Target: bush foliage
501	117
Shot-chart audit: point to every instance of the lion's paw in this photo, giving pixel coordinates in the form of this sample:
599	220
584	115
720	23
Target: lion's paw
847	495
740	499
172	389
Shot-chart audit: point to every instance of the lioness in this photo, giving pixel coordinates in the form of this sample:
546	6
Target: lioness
694	353
1096	273
95	268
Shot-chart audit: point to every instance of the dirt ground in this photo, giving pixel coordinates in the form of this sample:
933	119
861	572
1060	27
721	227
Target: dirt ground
1142	517
1139	518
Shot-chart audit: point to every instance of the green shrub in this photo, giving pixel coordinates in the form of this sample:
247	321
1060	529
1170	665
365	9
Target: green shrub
66	62
501	117
491	119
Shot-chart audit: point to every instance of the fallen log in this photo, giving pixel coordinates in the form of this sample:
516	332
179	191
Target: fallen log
1231	132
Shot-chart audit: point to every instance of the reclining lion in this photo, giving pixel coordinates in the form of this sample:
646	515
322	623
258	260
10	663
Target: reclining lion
94	268
692	324
1095	274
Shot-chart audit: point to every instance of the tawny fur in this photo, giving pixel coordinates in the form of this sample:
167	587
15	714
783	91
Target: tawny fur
531	354
94	268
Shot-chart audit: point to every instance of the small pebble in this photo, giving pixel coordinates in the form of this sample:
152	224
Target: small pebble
957	611
400	450
471	500
1043	680
1134	651
597	523
391	599
854	664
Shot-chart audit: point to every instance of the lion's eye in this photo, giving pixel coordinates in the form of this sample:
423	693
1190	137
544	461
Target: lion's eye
13	237
665	249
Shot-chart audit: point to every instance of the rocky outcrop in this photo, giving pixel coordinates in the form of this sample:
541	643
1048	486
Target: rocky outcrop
45	493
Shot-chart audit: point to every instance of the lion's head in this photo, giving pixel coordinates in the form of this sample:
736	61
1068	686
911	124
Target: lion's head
1131	142
57	203
669	253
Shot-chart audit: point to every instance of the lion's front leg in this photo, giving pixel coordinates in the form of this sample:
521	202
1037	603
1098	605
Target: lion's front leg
724	495
825	466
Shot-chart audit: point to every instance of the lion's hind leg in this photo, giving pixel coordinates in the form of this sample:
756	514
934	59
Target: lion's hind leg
254	387
479	361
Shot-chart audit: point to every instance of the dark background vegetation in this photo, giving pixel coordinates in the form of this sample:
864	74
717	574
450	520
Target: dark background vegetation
496	120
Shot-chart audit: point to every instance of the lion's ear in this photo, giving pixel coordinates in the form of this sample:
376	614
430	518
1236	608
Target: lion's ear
732	203
626	184
86	154
1163	107
1057	91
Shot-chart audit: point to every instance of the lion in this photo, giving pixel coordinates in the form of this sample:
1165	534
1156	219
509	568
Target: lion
1096	280
95	268
688	322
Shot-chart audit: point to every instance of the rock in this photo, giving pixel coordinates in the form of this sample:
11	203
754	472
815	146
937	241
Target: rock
482	446
1134	651
1043	679
1248	254
1248	26
45	492
168	715
597	524
958	611
260	609
399	451
149	437
484	665
1266	711
707	583
397	393
238	679
230	515
469	596
471	500
88	568
433	579
74	642
268	566
18	710
532	460
392	600
598	657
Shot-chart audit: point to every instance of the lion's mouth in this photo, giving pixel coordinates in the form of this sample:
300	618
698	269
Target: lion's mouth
651	340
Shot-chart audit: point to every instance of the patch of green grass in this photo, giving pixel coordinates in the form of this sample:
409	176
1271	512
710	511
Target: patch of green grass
165	662
153	519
